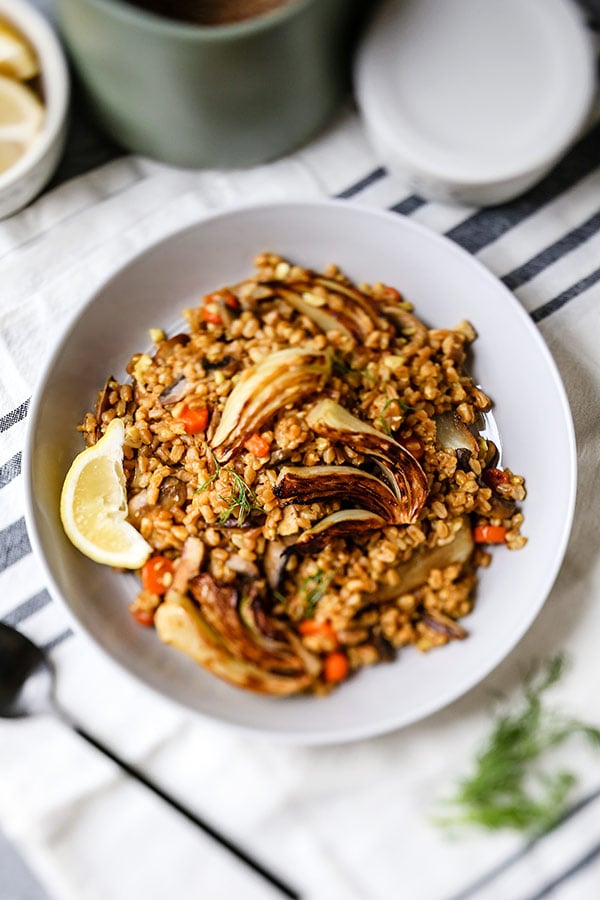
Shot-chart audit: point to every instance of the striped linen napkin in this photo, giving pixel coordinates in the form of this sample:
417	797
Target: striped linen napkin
352	822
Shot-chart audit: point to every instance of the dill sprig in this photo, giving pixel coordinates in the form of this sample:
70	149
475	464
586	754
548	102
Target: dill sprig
280	597
403	406
385	426
509	787
242	497
313	588
339	365
212	478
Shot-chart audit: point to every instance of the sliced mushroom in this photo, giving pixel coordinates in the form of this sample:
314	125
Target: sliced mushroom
102	404
408	479
210	365
172	492
274	562
188	567
312	484
453	434
166	348
501	507
463	459
450	628
175	392
283	377
408	327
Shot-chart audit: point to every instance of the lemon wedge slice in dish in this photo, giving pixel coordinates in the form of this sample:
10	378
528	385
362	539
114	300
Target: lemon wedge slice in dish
17	59
21	119
93	504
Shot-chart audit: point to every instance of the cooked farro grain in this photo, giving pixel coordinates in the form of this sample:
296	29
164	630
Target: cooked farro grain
310	460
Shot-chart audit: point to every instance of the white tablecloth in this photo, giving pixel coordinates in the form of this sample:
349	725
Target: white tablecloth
339	822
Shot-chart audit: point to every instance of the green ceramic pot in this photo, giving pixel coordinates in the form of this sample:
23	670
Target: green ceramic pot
214	96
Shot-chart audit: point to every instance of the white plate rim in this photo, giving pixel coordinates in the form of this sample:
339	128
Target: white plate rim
397	721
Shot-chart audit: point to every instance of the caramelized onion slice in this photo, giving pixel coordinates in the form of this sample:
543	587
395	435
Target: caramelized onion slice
408	327
331	420
360	300
180	623
312	484
219	607
325	319
286	376
344	523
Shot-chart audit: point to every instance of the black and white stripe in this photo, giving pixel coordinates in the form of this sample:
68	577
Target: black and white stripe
477	887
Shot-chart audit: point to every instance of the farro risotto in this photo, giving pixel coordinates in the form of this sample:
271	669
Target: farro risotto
308	463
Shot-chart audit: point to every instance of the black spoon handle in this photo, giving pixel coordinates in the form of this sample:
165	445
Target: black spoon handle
192	817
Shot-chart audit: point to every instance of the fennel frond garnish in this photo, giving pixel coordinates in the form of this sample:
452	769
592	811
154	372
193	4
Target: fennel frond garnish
510	787
313	588
242	498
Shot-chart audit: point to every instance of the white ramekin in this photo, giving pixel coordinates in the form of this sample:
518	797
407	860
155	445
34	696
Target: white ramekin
25	179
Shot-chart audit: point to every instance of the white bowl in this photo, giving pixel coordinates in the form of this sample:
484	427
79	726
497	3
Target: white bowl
446	285
25	179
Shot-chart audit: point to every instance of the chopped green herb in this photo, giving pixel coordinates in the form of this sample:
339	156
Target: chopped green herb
339	365
403	406
312	590
508	787
385	426
206	484
366	374
242	498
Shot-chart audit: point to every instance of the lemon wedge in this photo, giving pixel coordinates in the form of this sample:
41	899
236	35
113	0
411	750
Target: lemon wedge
21	119
93	504
17	59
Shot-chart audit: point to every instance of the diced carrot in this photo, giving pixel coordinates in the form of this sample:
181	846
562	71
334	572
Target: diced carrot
489	534
310	626
257	445
231	300
223	296
211	314
495	477
335	667
195	420
157	574
392	294
143	617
